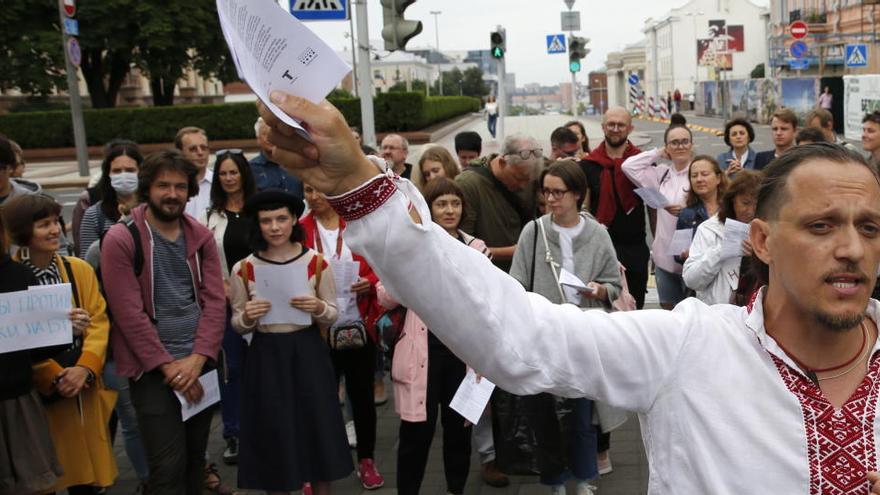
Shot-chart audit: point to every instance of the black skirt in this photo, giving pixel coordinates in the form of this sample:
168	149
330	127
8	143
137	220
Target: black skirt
292	429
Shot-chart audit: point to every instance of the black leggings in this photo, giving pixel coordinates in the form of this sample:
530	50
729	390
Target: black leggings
358	366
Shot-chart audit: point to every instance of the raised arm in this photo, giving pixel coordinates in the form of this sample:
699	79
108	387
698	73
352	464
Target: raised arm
640	168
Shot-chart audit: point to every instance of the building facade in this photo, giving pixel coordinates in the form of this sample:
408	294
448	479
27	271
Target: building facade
619	66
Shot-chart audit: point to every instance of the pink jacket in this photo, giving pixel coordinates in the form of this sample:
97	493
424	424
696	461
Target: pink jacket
409	368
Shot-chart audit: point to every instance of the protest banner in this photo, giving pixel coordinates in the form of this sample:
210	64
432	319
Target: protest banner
35	318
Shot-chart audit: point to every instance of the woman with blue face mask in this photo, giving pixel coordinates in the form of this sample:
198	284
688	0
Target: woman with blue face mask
118	185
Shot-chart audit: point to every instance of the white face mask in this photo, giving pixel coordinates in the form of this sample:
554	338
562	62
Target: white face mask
124	183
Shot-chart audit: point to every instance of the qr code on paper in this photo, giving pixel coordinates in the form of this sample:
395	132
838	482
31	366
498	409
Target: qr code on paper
307	56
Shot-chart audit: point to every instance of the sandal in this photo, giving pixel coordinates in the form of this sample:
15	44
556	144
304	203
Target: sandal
214	483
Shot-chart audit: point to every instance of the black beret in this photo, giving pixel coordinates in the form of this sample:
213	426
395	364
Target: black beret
273	197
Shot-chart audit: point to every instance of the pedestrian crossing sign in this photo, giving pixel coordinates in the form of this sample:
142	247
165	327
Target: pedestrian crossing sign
555	43
319	10
857	55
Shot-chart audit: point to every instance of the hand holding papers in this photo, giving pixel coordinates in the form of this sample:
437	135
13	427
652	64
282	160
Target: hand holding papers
471	397
211	395
272	50
732	240
652	197
681	241
278	284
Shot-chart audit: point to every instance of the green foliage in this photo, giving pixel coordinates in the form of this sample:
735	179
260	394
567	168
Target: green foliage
467	83
417	86
757	72
338	93
53	129
162	37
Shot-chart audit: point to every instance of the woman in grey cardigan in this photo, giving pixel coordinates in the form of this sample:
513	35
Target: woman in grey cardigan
567	257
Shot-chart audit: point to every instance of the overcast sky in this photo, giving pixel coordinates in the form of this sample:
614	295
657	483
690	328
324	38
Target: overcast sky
466	24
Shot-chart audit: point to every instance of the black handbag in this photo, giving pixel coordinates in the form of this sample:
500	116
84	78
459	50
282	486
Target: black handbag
348	336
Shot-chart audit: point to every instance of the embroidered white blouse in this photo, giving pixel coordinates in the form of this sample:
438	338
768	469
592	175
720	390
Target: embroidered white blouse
722	409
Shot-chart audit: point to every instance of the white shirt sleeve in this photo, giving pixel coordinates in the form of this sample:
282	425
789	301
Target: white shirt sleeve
704	259
518	340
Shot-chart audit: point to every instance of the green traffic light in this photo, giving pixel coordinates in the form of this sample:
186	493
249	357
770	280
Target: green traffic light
574	66
497	52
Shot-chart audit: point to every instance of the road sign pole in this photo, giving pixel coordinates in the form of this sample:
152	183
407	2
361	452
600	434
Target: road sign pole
365	79
574	99
502	91
79	128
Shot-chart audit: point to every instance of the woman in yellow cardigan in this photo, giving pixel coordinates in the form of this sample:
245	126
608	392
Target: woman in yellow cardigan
77	404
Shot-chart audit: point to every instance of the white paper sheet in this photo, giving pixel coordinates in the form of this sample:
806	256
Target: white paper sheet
652	197
211	387
735	233
568	279
34	318
345	274
273	50
681	241
278	284
471	397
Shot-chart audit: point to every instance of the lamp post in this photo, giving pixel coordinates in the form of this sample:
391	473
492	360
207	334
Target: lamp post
694	15
436	13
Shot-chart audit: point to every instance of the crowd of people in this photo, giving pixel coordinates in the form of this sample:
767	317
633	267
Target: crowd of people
167	251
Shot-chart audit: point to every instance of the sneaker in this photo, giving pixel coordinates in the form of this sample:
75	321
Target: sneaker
369	476
492	476
307	488
351	434
230	455
379	395
604	464
585	488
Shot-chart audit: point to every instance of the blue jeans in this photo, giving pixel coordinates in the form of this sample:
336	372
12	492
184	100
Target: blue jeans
234	350
670	286
582	456
131	435
493	120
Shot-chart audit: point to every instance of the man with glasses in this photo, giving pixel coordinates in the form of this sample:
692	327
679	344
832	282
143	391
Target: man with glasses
395	148
564	143
193	143
613	202
8	187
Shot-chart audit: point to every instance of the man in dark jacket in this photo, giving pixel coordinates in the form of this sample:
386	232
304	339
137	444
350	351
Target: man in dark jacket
784	126
613	202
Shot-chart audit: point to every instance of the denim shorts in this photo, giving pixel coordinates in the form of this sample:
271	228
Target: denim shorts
670	286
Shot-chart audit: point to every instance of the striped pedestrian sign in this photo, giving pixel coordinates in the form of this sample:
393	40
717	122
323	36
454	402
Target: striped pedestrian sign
555	43
857	55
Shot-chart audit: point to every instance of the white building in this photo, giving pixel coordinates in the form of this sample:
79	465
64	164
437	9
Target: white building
400	66
620	66
671	48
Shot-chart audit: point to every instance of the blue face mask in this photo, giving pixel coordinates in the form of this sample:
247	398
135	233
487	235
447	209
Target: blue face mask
124	183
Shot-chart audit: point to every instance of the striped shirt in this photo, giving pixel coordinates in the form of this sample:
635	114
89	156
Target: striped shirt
45	276
177	310
89	230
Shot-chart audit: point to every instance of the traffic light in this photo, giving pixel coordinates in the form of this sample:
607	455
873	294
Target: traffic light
577	49
397	30
497	41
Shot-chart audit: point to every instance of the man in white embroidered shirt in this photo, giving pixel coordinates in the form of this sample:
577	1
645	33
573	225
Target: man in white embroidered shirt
780	397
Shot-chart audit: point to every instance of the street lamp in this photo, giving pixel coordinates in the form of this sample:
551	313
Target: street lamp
436	13
694	15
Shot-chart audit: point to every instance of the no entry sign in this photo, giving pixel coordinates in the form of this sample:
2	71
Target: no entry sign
798	30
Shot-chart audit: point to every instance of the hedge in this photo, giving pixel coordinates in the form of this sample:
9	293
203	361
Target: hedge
53	129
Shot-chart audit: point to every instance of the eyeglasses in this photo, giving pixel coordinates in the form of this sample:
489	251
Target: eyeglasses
553	193
525	154
230	151
679	143
615	125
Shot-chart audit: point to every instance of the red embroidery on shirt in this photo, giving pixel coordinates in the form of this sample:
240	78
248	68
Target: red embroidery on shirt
364	200
840	444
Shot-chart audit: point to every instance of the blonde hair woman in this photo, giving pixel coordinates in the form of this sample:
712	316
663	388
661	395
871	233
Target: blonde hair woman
436	161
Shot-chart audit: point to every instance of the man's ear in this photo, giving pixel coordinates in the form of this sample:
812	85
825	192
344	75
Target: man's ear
759	235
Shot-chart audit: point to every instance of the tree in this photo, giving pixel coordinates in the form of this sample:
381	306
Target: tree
757	72
31	55
473	83
416	86
162	37
452	83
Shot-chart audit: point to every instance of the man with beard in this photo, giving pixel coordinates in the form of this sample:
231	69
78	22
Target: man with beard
780	396
613	202
161	274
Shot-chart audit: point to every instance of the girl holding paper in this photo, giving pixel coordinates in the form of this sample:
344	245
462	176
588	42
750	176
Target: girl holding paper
708	183
291	425
71	382
716	280
671	177
426	374
566	243
358	309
